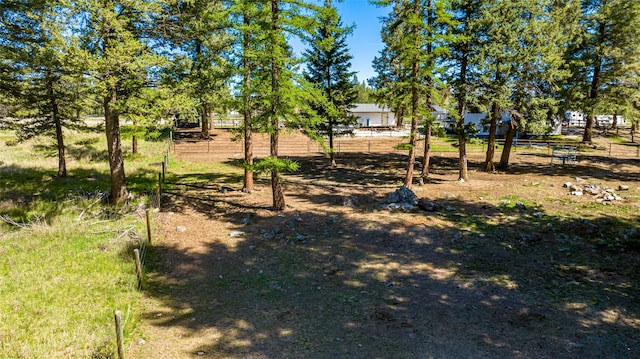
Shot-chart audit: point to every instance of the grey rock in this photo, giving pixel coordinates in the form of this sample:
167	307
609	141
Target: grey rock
181	229
233	234
429	206
350	201
402	195
623	188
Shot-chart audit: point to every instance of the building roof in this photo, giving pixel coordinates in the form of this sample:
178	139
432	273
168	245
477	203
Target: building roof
367	107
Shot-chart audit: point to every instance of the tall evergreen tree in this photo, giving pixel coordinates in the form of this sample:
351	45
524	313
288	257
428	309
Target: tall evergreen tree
460	60
199	29
540	69
408	57
328	67
41	71
117	38
282	93
603	55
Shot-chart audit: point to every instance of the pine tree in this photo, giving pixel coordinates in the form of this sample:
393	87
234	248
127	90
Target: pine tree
283	94
605	53
328	67
116	37
464	42
41	71
246	20
540	69
199	29
409	59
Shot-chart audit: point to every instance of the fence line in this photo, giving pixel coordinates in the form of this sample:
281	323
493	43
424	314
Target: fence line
140	253
387	145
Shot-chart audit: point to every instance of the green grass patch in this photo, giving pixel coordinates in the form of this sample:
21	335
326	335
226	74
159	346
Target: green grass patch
66	258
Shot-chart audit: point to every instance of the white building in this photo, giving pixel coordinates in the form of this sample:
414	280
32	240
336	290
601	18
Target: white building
575	119
372	115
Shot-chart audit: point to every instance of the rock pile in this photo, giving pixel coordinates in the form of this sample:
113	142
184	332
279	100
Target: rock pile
604	195
406	200
403	199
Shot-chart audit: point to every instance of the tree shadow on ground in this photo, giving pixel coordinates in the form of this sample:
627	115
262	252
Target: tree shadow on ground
473	280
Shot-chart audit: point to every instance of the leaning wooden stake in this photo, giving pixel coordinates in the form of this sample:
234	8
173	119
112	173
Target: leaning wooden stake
119	336
148	227
136	254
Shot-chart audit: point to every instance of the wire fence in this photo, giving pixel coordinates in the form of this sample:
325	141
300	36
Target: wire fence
143	246
373	145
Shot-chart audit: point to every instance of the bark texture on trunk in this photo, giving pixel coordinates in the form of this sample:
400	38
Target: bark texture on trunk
114	144
134	144
594	90
276	184
413	136
506	151
426	155
55	113
248	127
489	166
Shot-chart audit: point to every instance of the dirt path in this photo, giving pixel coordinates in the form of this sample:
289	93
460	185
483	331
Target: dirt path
492	273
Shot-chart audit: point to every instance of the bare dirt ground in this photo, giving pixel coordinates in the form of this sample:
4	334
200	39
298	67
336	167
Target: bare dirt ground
509	265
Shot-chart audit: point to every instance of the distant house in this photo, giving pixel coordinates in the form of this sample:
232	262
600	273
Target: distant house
481	121
372	115
575	119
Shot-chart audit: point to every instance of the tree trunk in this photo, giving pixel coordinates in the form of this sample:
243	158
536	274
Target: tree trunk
588	129
276	185
114	145
634	125
491	145
594	91
248	127
463	173
506	151
332	154
413	136
206	115
426	156
55	113
134	144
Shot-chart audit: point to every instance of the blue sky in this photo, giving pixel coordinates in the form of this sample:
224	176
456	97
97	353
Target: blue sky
364	43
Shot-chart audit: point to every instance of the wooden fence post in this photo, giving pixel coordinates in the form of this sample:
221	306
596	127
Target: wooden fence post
164	168
159	190
119	336
148	227
136	255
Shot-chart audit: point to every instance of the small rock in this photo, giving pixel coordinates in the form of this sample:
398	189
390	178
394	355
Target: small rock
537	214
141	341
521	205
201	353
224	189
181	229
578	179
567	185
426	205
349	201
623	188
236	234
246	219
576	193
267	234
